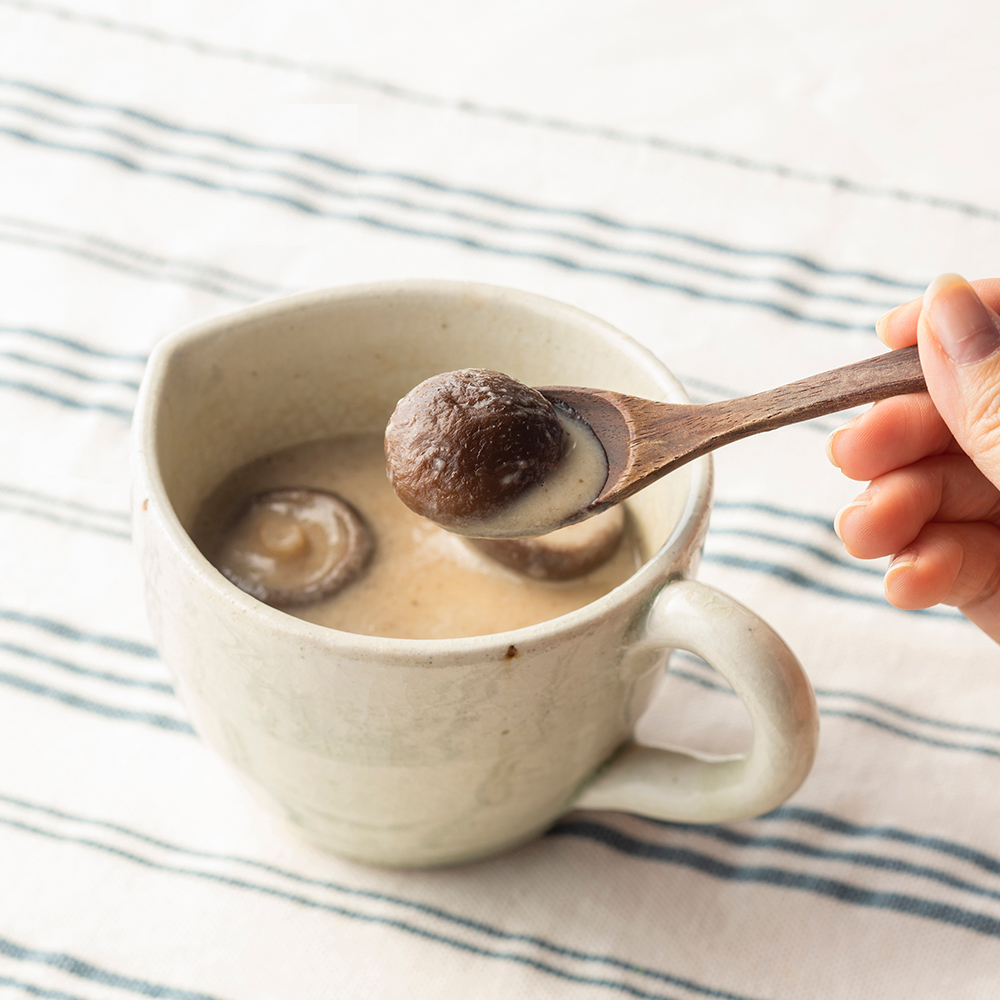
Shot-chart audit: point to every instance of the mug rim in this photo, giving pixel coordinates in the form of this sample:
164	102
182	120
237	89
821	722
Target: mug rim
649	577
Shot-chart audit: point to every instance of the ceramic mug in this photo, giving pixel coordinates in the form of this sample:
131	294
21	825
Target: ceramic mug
429	752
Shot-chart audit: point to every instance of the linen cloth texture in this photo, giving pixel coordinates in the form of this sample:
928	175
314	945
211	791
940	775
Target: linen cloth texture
744	189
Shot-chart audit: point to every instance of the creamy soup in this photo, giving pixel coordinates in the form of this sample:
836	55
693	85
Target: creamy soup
420	582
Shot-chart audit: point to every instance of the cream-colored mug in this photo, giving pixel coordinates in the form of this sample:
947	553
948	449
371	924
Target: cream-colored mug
427	751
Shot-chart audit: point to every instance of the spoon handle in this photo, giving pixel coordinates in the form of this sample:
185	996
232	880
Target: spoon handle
644	440
891	374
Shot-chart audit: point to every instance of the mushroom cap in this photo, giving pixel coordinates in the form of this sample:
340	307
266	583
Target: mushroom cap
563	554
462	446
292	547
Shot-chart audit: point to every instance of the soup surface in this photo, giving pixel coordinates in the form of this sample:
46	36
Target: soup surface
422	582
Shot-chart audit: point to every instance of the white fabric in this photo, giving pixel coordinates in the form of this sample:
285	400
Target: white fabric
744	189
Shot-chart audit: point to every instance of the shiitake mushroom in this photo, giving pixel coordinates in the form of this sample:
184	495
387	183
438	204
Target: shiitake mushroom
464	445
563	554
291	547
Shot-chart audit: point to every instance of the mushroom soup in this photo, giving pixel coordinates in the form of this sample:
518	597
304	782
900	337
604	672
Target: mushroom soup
417	580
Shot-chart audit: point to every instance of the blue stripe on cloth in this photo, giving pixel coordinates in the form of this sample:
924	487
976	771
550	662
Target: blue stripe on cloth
456	919
630	276
799	579
822	520
837	889
65	521
906	714
96	707
783	814
861	859
470	243
154	263
85	970
415	930
511	115
81	671
137	142
31	990
65	631
899	731
828	557
864	699
430	184
68	401
857	831
80	346
835	824
871	720
61	502
93	257
832	888
70	372
451	213
134	166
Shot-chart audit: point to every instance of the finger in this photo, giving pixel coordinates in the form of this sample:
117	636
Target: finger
959	337
898	327
893	433
956	564
894	509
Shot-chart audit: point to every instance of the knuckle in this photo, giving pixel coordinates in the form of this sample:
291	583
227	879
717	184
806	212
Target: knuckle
982	415
979	432
978	579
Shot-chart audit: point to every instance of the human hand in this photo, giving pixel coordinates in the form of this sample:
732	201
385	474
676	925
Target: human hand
933	459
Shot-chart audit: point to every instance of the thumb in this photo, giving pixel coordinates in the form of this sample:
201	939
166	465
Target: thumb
959	340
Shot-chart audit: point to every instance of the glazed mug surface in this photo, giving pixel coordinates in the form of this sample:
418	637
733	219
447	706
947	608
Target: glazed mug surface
438	751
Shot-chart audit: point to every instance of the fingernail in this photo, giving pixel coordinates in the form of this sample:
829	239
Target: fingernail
830	440
959	321
906	559
882	322
861	500
829	448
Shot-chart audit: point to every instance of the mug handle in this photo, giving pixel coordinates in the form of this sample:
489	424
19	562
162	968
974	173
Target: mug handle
769	680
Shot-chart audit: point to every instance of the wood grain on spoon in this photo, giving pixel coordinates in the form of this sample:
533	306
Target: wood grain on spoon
645	440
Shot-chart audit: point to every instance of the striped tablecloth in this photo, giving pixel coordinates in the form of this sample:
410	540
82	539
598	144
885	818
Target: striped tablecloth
744	189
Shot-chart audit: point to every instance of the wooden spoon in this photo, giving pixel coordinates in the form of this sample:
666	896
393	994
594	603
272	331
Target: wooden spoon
645	440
